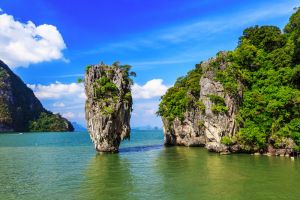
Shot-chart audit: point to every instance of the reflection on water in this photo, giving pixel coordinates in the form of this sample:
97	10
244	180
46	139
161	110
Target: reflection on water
107	177
65	166
193	173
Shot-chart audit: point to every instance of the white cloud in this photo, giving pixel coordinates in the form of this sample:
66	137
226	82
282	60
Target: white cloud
58	90
144	113
22	44
146	108
1	10
58	105
69	99
68	115
152	88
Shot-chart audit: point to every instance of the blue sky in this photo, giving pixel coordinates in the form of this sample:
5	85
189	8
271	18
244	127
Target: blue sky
162	40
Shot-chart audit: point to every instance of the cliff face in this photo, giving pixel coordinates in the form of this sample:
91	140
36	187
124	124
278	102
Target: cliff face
204	124
20	110
245	100
211	118
108	105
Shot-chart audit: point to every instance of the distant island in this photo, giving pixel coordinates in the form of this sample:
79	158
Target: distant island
78	127
246	100
21	111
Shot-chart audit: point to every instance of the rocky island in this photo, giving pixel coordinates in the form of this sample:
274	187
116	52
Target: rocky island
21	111
246	100
108	105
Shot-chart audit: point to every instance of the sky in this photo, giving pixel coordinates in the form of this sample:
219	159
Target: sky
48	43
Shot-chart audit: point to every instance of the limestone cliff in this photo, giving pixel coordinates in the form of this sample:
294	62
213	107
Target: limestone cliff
203	124
20	110
108	105
245	100
210	113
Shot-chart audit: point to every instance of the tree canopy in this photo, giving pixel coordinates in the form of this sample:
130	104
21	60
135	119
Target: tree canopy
266	63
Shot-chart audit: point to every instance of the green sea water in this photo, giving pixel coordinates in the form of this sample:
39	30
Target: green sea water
65	166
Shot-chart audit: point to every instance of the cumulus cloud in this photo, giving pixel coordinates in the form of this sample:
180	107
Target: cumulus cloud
68	99
144	113
58	90
22	44
151	89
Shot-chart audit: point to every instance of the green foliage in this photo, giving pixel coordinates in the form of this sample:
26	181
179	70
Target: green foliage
226	140
128	96
292	29
265	69
184	94
294	23
219	109
174	103
200	105
216	99
48	122
253	135
106	93
88	67
103	87
219	106
267	38
269	103
108	110
79	80
291	130
228	78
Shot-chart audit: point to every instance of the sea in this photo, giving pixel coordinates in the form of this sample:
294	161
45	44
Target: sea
66	166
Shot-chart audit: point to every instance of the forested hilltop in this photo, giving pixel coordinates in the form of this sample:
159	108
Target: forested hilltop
242	100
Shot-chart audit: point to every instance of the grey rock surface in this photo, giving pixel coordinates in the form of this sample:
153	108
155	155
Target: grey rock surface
206	128
107	115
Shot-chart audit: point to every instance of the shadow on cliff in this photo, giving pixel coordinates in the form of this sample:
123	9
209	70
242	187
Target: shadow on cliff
140	148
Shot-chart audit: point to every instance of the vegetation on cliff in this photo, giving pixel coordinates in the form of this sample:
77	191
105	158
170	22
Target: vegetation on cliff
266	67
20	110
108	105
182	96
106	92
48	122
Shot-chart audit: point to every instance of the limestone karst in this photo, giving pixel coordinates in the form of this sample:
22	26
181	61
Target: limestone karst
108	105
